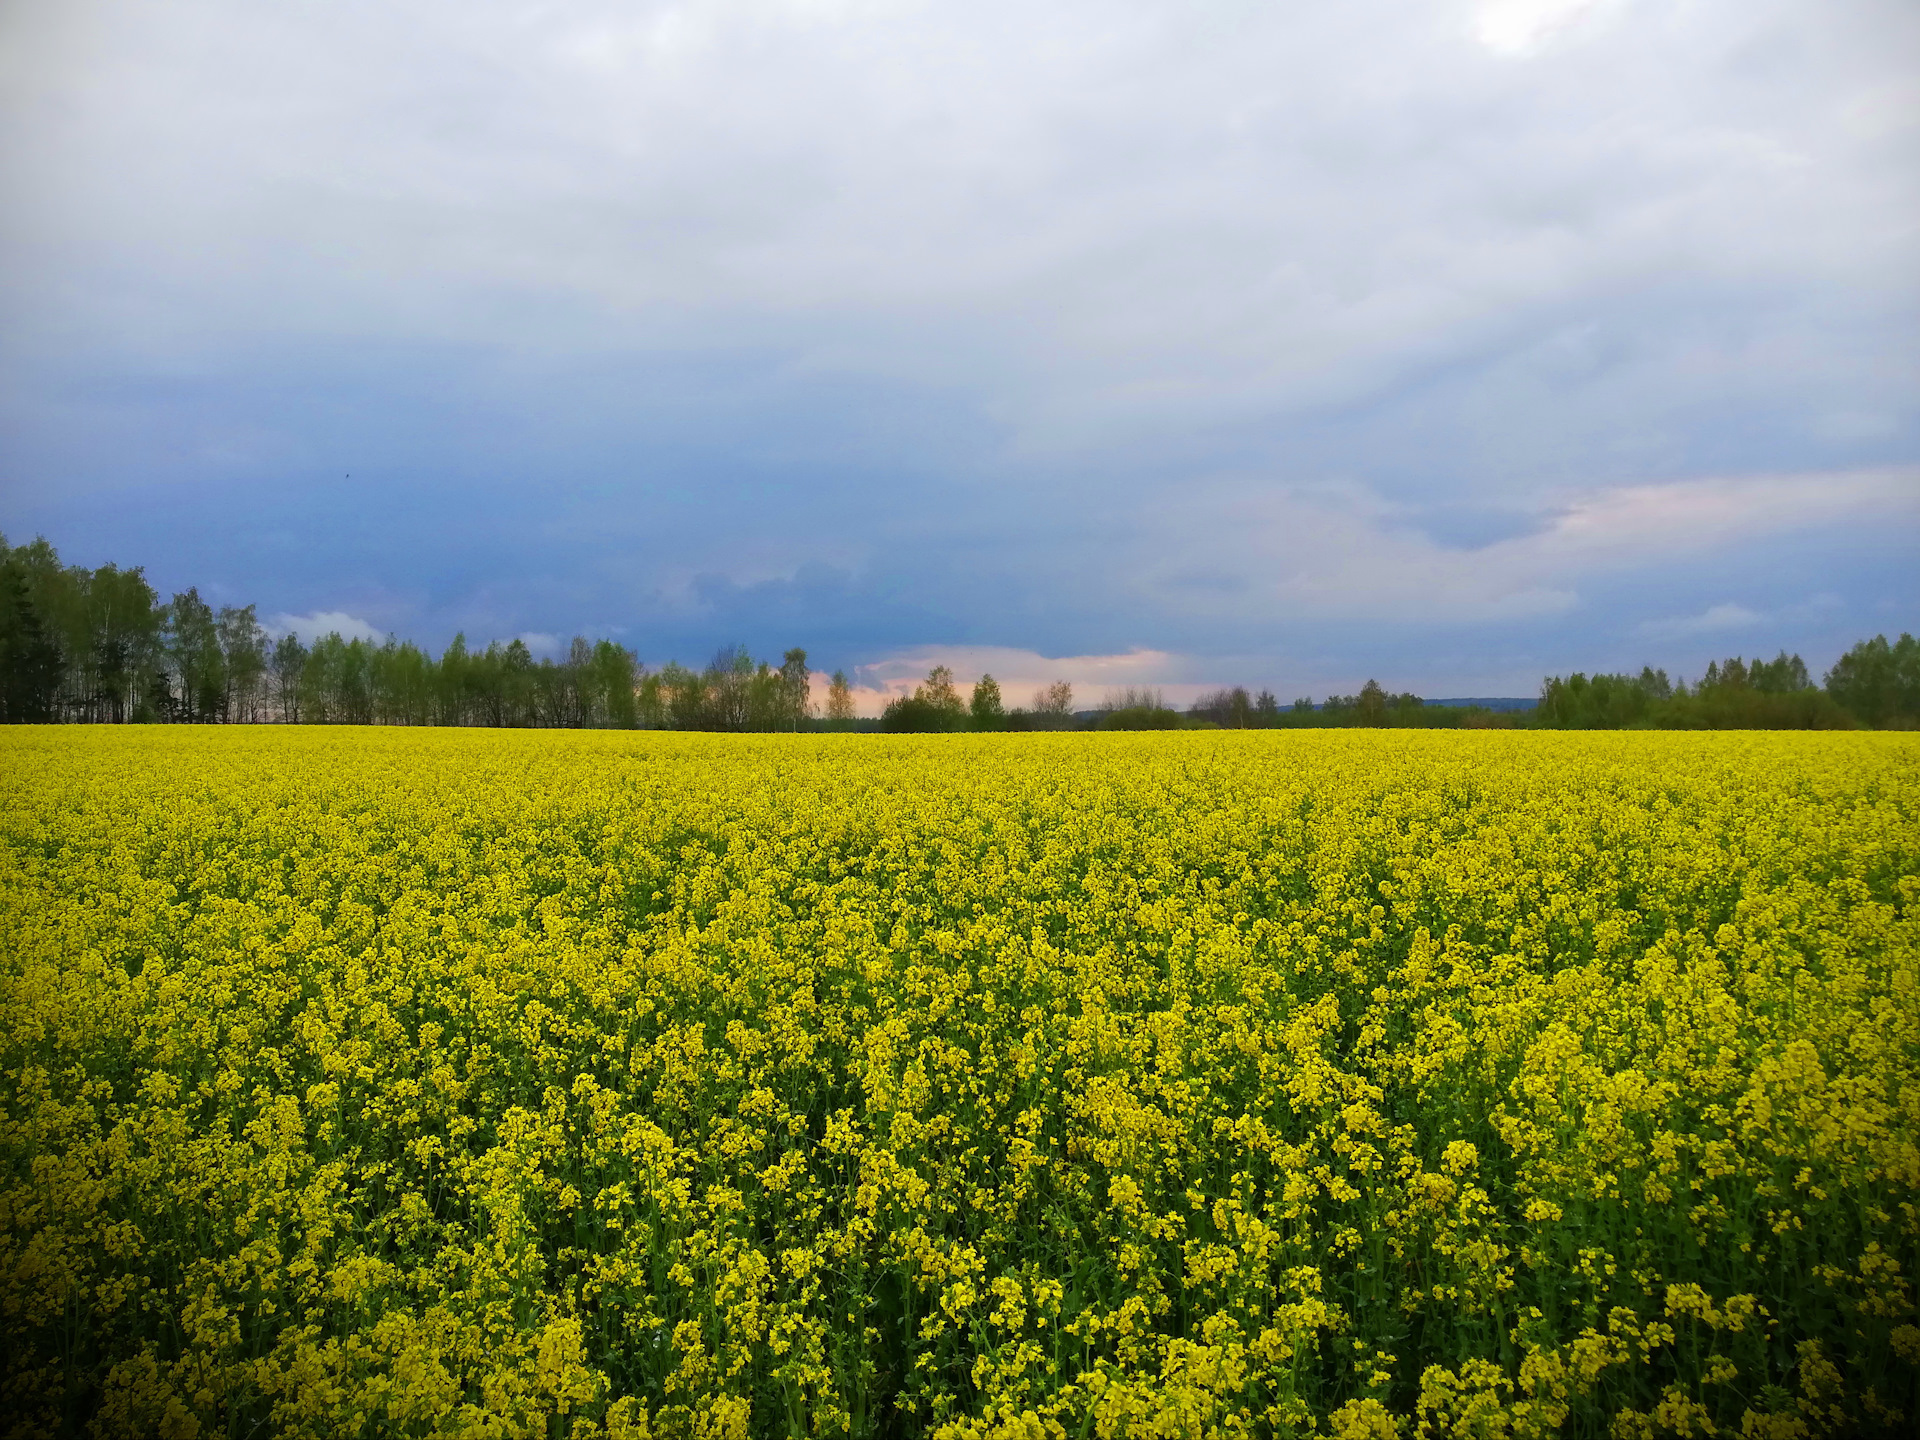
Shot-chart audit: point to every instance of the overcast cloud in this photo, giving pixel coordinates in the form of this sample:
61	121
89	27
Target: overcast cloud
1449	343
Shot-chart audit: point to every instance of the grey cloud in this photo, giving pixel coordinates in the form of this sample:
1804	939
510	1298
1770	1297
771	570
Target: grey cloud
1131	216
647	308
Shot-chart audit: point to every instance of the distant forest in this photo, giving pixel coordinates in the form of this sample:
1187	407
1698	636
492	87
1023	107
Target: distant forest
99	646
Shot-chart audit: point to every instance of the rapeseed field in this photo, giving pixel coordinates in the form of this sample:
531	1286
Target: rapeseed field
384	1082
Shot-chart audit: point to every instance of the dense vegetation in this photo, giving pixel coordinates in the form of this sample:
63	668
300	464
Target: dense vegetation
78	644
607	1084
1873	684
99	645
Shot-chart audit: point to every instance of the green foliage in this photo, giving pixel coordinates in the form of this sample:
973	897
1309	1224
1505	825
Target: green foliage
79	644
1139	708
29	658
1142	717
1733	694
1604	702
1374	706
985	707
934	707
795	678
1230	709
1878	682
839	700
1741	707
912	715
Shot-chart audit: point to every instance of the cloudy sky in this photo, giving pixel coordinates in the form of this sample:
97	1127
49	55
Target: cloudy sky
1129	340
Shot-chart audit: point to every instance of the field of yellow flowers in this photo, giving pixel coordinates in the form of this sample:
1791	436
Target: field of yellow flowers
386	1082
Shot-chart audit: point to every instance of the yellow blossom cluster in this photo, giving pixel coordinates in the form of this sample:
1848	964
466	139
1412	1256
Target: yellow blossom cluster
1406	1084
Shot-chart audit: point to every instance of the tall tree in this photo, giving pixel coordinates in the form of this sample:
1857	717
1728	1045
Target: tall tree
124	621
839	698
729	688
1370	708
30	661
1230	707
337	682
1054	703
576	695
194	657
940	693
243	655
451	683
935	705
1783	675
513	694
402	684
612	676
987	709
1878	682
289	666
356	682
650	701
54	596
684	693
795	681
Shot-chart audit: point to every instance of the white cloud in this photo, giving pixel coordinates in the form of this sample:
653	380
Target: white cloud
1522	27
322	622
1714	620
1345	553
1728	617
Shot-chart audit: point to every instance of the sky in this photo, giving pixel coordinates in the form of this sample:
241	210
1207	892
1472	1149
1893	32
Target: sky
1450	344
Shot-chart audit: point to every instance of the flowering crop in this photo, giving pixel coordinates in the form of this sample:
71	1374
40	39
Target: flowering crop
505	1083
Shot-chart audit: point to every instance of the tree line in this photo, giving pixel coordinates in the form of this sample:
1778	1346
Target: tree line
936	705
101	646
80	645
1876	684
